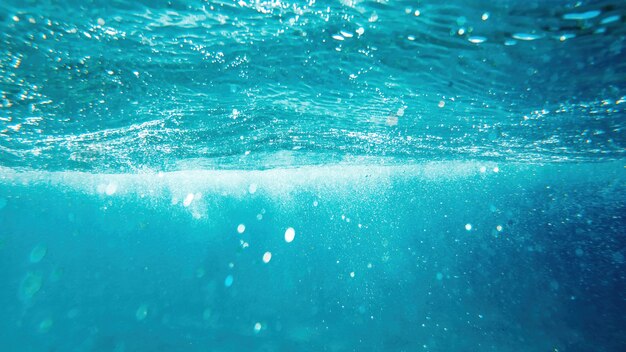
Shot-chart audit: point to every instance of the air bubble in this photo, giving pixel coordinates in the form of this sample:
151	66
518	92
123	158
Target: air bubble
290	234
476	39
228	281
141	312
38	253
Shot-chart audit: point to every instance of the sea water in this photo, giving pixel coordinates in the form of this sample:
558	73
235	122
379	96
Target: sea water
312	176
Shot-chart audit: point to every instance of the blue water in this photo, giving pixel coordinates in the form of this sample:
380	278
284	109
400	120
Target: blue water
312	176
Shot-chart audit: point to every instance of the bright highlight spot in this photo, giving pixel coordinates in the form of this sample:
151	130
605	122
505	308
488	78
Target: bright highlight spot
110	189
257	327
476	39
468	227
241	228
267	257
188	200
525	36
346	34
290	233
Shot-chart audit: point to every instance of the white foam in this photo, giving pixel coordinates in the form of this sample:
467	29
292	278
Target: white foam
186	186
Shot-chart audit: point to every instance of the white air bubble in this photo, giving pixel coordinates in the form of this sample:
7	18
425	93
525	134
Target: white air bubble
267	257
526	36
476	39
241	228
188	199
468	227
346	34
290	234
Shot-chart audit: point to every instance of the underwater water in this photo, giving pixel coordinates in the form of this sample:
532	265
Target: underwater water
312	175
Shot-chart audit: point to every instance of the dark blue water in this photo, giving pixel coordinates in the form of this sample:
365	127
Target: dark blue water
312	176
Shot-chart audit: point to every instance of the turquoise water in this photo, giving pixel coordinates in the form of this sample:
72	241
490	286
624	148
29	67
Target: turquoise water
312	176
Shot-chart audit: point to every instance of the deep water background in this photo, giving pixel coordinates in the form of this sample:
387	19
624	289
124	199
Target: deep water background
138	270
453	173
